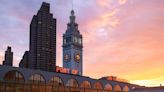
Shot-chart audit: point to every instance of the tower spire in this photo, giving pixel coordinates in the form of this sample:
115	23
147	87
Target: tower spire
72	17
72	4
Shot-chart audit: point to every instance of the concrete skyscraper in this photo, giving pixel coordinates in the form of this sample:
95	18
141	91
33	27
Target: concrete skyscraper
73	46
8	57
24	63
43	40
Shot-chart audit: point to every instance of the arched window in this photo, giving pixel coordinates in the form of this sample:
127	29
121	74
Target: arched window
37	78
117	88
97	85
108	87
72	83
56	81
14	76
126	89
85	84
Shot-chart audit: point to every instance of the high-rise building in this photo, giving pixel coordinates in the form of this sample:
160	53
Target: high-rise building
25	60
73	46
8	57
43	40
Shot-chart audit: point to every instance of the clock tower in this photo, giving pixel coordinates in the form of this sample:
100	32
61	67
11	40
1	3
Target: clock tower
73	46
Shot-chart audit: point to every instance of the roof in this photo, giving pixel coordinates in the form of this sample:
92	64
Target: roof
151	88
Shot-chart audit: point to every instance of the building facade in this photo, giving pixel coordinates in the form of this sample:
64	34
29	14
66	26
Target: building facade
8	57
73	47
13	79
43	40
25	60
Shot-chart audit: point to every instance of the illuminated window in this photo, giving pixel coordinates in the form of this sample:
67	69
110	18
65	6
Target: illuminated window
117	88
14	76
37	78
80	41
72	83
108	87
64	41
126	89
39	22
97	85
56	81
85	84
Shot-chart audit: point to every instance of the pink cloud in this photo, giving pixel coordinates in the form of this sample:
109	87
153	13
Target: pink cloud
122	1
132	49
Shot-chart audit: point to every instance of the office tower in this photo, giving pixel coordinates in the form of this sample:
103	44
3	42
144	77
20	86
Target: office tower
8	57
43	40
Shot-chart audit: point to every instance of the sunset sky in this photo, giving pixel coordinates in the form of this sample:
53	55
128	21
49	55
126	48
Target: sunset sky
123	38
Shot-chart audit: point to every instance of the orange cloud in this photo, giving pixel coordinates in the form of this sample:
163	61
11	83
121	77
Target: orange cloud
1	57
109	19
122	1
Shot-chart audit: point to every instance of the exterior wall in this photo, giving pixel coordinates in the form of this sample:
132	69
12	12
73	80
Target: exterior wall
72	64
65	77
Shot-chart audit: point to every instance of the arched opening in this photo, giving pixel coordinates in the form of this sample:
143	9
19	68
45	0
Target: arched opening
108	87
117	88
72	83
37	78
125	89
14	76
16	79
97	85
85	84
38	83
56	81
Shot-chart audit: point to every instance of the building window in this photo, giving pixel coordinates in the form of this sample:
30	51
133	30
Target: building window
97	85
39	22
14	76
117	88
85	84
64	41
38	55
68	39
108	87
56	81
72	83
37	78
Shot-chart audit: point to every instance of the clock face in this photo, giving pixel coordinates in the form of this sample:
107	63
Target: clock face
66	57
77	57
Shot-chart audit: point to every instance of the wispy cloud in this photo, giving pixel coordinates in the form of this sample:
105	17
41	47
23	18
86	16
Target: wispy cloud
122	1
